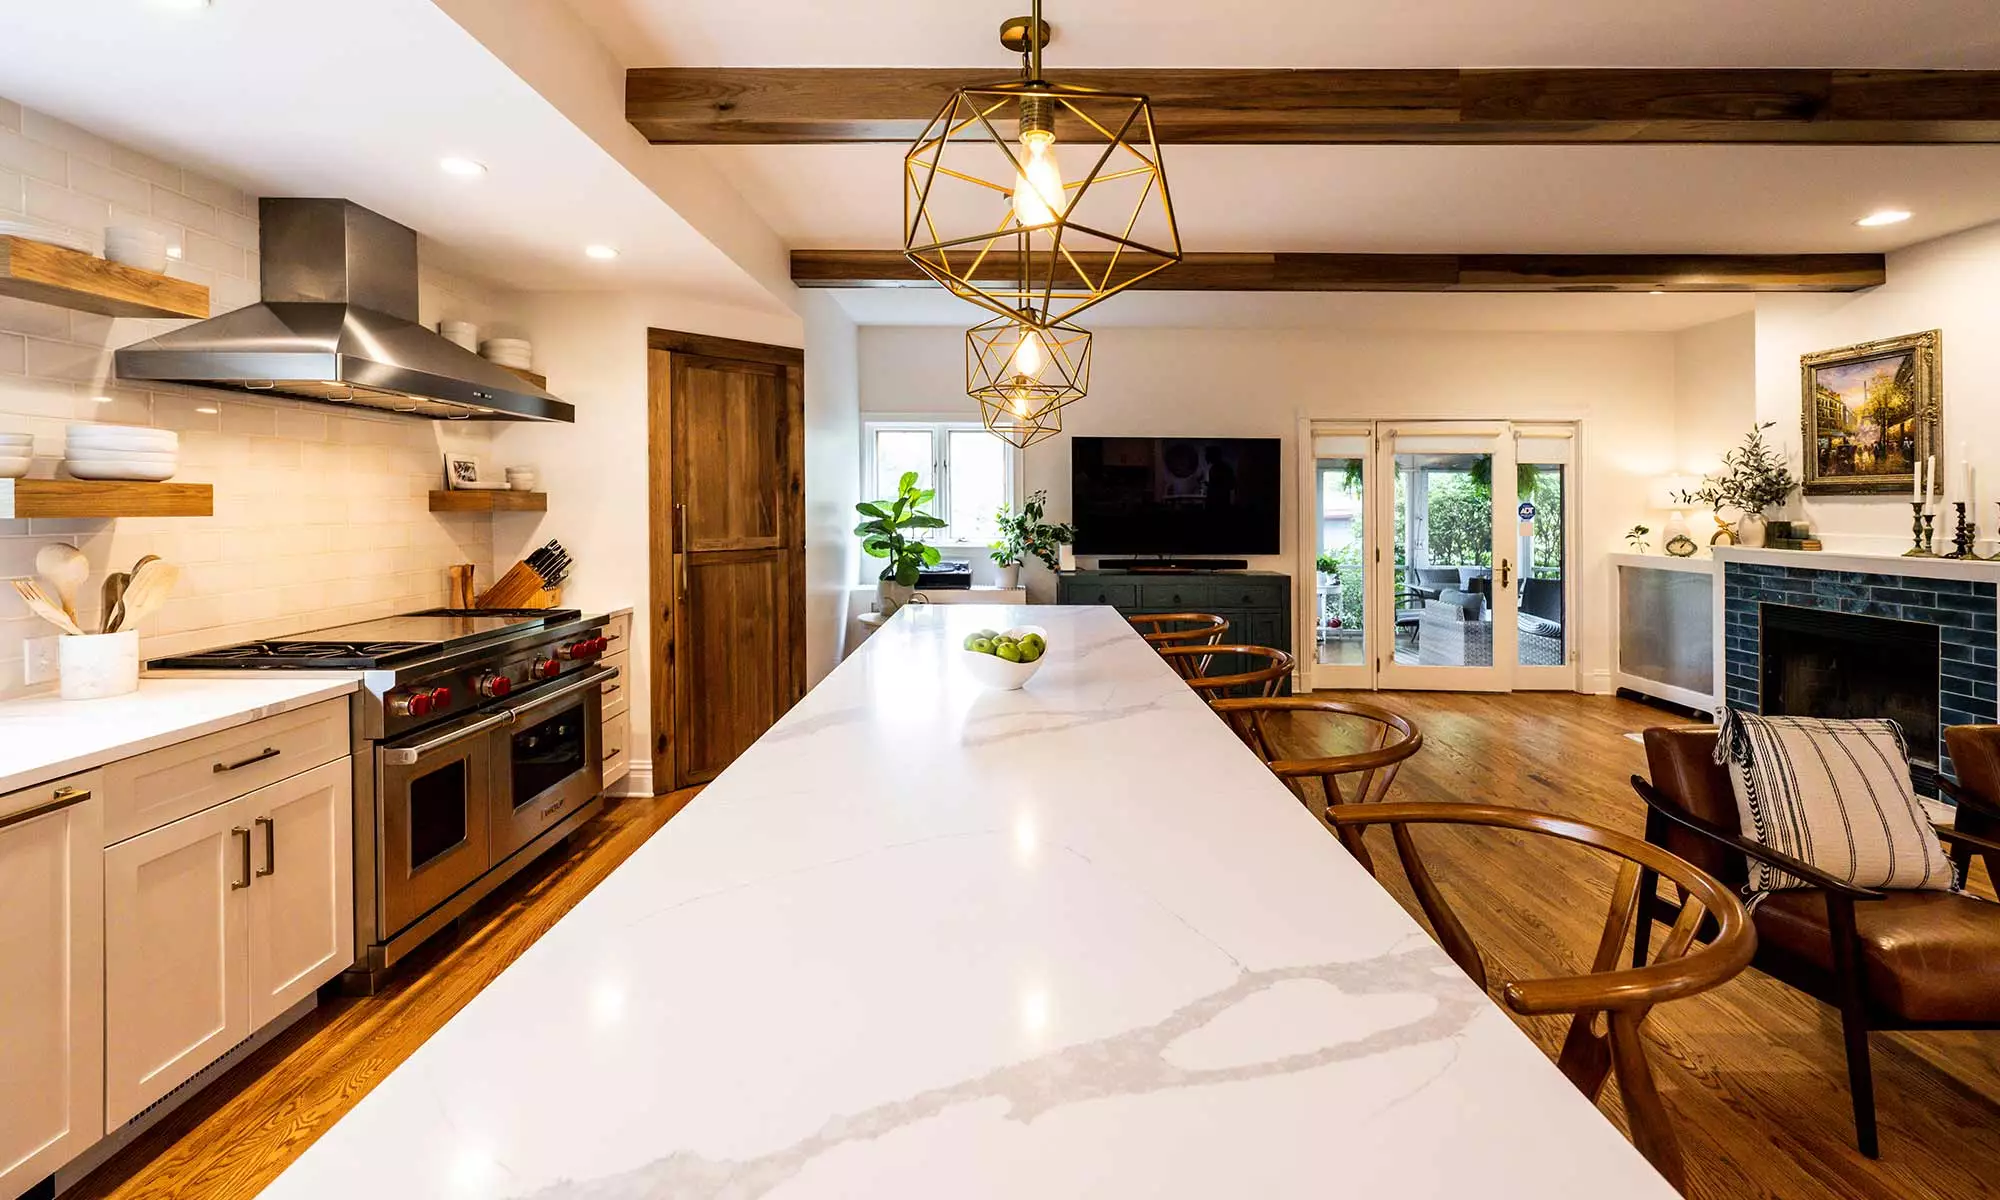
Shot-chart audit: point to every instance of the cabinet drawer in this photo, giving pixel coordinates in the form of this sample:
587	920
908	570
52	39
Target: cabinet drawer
1175	597
1118	595
617	693
619	634
1246	594
150	790
616	761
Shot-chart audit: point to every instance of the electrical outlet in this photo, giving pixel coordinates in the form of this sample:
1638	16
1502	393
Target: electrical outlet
39	659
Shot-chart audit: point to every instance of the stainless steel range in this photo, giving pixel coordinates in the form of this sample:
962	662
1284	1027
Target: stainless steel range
477	745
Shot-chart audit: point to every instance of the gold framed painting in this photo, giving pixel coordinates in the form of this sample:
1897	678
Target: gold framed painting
1871	413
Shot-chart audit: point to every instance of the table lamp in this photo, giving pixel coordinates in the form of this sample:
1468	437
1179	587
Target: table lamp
1675	537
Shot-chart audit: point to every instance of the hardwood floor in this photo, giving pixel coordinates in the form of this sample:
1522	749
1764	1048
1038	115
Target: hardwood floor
234	1137
1751	1074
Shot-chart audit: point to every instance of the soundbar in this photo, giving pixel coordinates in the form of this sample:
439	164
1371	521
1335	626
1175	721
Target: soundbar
1173	564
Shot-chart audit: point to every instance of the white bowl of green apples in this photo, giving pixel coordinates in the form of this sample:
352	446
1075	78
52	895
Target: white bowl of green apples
1005	660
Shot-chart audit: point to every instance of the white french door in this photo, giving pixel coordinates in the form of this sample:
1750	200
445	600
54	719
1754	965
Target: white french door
1439	555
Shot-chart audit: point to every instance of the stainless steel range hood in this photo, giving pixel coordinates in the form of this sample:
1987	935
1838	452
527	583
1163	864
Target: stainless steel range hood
338	325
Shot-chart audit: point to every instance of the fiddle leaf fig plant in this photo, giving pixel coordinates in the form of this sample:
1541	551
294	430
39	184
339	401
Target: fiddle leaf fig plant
885	531
1024	533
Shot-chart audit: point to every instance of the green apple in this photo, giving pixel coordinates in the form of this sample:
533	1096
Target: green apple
971	638
988	634
1035	640
980	645
1008	651
1030	651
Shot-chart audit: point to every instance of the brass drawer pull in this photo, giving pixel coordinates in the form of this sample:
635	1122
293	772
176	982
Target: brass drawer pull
64	798
614	687
270	845
268	752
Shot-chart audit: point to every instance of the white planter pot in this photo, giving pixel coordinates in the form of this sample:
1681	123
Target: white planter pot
98	665
1750	528
890	596
1009	576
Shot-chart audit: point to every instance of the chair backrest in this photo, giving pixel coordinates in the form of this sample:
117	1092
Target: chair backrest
1681	761
1624	995
1471	602
1196	664
1386	740
1975	755
1180	629
1542	598
1437	577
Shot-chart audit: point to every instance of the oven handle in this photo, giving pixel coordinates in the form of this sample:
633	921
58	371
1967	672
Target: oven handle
600	675
406	756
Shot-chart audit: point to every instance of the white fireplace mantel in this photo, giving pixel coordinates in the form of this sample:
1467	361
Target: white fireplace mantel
1874	564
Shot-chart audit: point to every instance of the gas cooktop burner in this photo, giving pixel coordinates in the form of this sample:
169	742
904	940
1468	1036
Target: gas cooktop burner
382	642
302	654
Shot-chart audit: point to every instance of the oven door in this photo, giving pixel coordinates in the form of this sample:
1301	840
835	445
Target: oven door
434	796
551	760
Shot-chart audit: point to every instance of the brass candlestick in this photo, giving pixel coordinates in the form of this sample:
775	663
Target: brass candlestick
1919	543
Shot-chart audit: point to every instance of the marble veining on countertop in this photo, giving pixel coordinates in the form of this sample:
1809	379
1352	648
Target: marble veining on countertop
43	737
924	940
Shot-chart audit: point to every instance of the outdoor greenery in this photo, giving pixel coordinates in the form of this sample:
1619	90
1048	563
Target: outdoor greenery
1024	533
1346	600
1753	477
884	532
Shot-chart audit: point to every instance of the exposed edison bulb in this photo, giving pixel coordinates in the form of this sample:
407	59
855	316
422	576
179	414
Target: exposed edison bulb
1029	358
1020	403
1038	188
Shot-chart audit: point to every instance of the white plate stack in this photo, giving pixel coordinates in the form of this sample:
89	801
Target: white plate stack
17	451
463	334
127	452
509	352
54	235
136	246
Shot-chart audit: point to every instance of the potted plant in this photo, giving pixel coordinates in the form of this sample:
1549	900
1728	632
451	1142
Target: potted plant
1753	477
885	534
1024	533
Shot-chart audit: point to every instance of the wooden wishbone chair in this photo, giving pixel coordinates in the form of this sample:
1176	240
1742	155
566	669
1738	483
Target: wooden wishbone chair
1195	664
1389	738
1180	629
1681	968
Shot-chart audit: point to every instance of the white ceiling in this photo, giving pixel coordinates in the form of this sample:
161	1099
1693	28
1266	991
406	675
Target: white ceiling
360	98
1309	33
1544	312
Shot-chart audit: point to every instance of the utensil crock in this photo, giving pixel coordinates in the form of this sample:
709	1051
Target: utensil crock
97	665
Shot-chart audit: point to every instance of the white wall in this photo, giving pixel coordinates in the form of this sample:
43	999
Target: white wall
1258	383
1947	284
320	516
1715	391
833	476
592	347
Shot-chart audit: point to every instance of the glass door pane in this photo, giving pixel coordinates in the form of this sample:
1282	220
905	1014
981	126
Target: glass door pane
1340	564
1543	555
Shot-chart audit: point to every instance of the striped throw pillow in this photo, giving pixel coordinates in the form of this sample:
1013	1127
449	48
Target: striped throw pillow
1835	794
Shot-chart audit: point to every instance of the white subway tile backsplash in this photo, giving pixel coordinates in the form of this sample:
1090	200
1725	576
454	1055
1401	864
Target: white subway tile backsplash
13	191
321	515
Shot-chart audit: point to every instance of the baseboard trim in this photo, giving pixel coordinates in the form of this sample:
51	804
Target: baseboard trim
1594	683
638	780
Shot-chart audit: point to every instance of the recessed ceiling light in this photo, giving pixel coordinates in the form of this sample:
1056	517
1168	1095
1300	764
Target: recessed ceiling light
183	5
1886	216
464	168
1657	292
598	250
205	409
102	399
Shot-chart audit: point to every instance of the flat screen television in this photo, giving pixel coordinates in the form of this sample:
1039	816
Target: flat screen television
1174	496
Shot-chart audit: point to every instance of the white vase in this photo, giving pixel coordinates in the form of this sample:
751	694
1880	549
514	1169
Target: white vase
1008	576
1750	529
97	665
890	596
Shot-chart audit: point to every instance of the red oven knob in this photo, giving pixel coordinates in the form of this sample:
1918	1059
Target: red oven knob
546	668
413	704
440	699
494	685
599	645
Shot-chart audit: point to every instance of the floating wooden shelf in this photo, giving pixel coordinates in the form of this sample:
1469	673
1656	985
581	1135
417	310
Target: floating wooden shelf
21	498
540	381
72	279
489	500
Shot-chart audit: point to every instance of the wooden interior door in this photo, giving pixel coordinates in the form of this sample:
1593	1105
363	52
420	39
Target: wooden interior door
729	450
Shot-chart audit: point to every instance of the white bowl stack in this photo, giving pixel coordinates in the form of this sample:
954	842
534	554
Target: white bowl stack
509	352
125	452
17	451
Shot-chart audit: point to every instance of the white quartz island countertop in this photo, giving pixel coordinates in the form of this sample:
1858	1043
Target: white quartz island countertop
927	941
44	737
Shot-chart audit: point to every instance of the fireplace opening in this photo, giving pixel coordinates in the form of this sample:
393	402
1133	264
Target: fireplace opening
1816	663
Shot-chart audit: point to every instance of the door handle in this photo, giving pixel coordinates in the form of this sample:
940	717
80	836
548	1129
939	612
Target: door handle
681	544
270	845
1506	571
63	798
239	764
243	833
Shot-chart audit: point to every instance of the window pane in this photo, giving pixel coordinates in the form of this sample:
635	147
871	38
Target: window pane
1544	629
978	484
1444	559
897	451
1341	559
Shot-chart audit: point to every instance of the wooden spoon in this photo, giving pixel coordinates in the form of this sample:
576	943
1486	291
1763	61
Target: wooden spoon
38	602
114	614
65	568
112	600
151	583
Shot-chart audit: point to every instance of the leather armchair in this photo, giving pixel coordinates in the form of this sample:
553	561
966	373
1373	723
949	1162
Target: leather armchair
1886	960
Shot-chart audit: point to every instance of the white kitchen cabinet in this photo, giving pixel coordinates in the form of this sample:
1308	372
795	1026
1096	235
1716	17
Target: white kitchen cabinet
176	971
51	978
217	923
302	891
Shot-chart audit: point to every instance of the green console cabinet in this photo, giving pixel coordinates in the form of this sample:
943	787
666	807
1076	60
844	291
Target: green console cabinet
1257	604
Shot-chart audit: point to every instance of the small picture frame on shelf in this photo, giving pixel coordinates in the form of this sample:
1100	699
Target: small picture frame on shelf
461	472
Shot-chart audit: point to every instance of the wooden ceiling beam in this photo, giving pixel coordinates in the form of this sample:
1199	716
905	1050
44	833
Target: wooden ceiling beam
809	105
1309	272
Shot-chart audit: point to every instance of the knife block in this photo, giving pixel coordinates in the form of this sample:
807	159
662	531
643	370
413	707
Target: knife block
520	587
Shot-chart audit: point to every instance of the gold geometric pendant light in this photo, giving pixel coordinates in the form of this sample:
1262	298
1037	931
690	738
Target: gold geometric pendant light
1025	372
1034	199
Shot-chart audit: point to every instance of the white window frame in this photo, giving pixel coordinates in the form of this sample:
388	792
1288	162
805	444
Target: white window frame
938	428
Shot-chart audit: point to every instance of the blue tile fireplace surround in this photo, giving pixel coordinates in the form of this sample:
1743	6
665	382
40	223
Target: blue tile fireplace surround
1911	613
